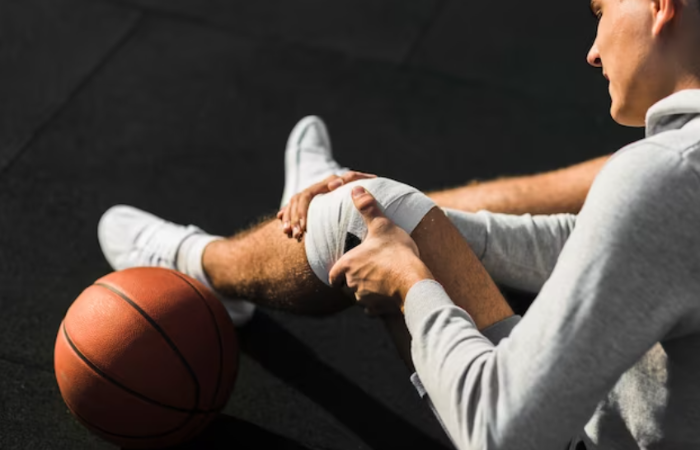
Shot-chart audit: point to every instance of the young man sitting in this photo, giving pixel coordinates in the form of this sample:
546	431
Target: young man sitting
606	357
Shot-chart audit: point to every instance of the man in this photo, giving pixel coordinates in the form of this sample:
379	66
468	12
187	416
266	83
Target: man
607	355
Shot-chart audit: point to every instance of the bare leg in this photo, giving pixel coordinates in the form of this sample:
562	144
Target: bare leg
265	266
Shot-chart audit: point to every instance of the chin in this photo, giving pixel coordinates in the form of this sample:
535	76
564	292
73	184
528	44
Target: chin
626	116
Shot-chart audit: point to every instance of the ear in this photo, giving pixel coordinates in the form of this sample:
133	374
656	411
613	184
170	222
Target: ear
663	13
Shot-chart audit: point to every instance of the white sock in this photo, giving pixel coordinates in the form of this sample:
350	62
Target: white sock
189	257
189	261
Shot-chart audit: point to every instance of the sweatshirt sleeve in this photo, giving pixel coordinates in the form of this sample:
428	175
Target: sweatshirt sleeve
517	251
622	284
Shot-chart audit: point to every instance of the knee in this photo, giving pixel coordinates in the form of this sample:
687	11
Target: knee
334	226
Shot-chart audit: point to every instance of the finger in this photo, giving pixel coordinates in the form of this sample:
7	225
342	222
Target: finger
354	176
303	211
325	185
348	177
280	214
335	183
296	231
336	276
367	205
328	179
286	217
300	208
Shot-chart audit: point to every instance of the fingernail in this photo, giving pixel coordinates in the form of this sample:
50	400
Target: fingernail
302	222
335	184
296	231
357	191
285	225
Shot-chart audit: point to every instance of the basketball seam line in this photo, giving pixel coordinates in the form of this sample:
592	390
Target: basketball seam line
160	331
150	436
218	335
118	384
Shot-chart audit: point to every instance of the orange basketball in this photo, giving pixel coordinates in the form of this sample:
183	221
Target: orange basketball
146	357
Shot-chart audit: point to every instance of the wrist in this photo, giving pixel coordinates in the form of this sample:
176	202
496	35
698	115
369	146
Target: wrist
415	274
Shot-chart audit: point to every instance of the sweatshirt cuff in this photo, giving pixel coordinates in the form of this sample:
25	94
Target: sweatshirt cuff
500	330
422	299
428	295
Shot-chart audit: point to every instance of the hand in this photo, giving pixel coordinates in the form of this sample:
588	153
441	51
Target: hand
382	269
293	215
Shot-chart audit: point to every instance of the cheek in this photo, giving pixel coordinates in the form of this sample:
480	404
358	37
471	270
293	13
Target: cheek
612	37
631	36
618	52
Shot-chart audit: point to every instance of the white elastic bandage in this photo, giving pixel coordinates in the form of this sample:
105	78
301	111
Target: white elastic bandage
333	219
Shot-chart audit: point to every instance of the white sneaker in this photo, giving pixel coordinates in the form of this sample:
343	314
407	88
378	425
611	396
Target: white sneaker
308	158
130	237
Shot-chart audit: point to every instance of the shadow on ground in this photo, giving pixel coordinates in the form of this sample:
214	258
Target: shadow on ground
227	432
289	359
293	362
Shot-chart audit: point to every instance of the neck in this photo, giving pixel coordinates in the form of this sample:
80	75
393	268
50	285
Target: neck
688	80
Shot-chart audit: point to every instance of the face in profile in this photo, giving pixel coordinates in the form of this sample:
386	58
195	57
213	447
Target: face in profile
629	51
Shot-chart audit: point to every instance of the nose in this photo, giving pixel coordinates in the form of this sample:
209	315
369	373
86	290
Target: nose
593	57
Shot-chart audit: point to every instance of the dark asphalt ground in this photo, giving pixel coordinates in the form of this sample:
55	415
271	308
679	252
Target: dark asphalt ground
183	107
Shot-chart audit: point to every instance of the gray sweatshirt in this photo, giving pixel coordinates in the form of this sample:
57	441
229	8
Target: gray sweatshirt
609	352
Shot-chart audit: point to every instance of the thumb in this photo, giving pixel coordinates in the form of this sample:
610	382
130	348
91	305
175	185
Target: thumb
336	276
366	204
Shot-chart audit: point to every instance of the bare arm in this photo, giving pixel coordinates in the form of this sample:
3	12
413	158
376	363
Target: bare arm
388	262
559	191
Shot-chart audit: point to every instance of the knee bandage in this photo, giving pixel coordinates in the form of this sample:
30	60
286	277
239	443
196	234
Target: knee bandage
334	225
